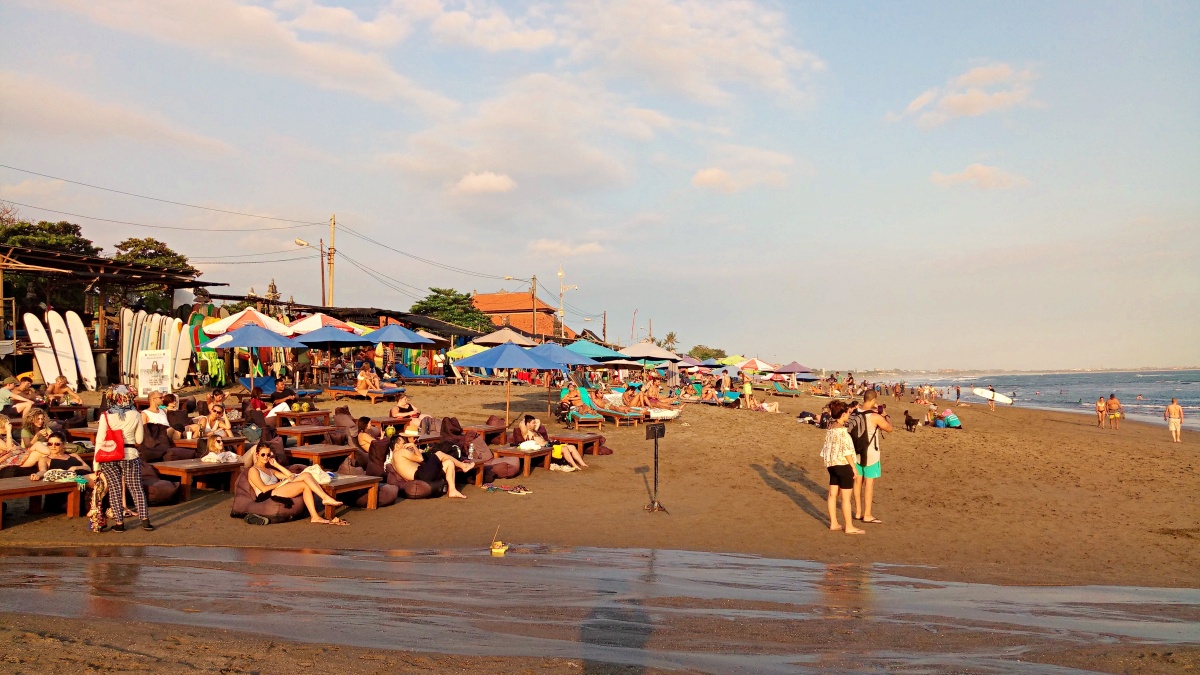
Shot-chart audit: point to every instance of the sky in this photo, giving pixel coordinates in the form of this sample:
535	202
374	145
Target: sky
990	185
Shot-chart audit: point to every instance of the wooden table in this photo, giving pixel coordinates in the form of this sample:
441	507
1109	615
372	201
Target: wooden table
56	411
21	486
389	421
238	443
349	484
490	433
187	470
302	418
303	432
581	442
527	457
320	451
83	433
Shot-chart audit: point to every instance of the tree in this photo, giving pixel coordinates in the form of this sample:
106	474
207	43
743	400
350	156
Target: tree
447	304
9	214
669	343
704	353
150	251
60	236
31	289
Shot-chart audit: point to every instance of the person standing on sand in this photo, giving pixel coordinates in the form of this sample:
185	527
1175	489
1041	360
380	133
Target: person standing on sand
1101	412
1174	417
864	431
992	401
1115	411
957	394
838	454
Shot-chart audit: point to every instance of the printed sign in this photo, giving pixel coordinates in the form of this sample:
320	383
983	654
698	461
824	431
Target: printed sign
154	371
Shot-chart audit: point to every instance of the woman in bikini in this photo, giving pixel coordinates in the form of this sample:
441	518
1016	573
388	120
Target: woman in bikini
269	479
363	437
1101	411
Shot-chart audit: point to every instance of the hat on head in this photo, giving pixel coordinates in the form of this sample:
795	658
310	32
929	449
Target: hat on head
9	380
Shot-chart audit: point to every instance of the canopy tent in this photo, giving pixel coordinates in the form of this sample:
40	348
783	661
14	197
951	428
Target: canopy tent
311	323
247	317
757	365
508	356
465	351
649	351
594	351
252	337
332	337
502	336
563	356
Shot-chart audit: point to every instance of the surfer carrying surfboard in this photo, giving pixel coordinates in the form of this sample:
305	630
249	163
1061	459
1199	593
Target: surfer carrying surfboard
992	398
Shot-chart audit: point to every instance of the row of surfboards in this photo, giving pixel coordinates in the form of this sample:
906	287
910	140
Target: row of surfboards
141	331
62	347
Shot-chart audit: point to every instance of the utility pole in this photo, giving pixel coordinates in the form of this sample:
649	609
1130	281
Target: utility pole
321	248
533	306
562	316
332	235
652	330
605	336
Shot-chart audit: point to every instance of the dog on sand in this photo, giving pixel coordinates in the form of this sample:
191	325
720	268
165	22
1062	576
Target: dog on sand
910	422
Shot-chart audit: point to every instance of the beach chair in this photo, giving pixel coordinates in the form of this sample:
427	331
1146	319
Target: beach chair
579	420
266	384
656	414
407	376
618	417
373	394
781	390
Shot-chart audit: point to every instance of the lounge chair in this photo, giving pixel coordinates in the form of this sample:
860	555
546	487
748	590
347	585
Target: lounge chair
781	390
266	384
658	414
374	394
578	420
618	417
406	376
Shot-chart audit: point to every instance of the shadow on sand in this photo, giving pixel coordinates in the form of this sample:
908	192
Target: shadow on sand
781	481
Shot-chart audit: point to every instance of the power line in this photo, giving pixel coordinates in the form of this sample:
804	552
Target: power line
156	199
240	255
427	261
382	278
253	262
158	227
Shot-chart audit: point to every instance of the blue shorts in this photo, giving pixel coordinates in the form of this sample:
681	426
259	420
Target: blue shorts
872	471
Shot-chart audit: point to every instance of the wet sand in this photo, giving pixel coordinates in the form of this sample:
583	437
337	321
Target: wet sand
1017	497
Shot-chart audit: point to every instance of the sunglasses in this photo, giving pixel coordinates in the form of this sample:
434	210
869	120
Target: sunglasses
55	444
265	454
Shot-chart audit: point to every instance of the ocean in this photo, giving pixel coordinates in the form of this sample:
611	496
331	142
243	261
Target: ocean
1077	392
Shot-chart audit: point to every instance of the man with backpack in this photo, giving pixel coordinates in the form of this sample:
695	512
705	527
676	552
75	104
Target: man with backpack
864	426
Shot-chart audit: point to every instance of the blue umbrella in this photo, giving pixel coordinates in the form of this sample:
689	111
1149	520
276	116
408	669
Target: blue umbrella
331	337
593	350
395	334
559	354
709	363
252	337
508	355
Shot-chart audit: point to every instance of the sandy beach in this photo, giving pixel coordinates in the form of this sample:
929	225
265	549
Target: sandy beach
1017	497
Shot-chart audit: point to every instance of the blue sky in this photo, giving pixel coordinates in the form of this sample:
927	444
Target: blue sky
851	185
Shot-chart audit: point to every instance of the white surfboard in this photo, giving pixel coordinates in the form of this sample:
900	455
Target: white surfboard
64	353
126	337
135	345
43	353
81	344
183	359
171	342
998	398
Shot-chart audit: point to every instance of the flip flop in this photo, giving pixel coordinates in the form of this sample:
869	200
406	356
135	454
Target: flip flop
872	520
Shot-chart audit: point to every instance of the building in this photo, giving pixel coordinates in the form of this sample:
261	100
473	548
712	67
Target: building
517	311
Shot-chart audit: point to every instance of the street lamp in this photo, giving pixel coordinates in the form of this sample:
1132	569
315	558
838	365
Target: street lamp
320	248
562	316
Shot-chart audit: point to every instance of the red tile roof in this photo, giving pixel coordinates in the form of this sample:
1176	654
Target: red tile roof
494	303
546	323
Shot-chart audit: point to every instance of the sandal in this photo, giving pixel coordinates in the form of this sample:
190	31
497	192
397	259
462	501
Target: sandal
520	490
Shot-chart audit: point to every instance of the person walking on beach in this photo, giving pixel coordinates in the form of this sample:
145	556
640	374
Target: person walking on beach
838	454
1174	417
1101	412
957	394
864	427
1115	411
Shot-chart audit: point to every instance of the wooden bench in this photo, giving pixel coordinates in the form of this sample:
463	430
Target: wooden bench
349	484
301	418
304	432
582	442
496	434
317	452
22	486
232	443
187	470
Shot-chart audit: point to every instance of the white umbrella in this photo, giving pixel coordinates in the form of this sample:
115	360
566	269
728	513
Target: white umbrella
319	320
650	352
247	317
504	335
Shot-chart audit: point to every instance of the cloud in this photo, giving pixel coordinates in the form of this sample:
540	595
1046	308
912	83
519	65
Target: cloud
485	182
562	249
387	28
979	91
981	177
689	47
488	27
32	105
741	167
256	38
34	187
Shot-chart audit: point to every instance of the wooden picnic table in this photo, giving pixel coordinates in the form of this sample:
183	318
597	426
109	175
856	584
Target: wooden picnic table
388	421
581	441
527	457
317	452
301	418
349	484
303	432
83	433
238	443
491	432
22	486
57	411
187	470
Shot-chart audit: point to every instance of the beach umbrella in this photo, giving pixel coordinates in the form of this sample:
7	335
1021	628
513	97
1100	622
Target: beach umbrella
594	351
756	365
319	320
331	337
396	335
563	356
688	361
438	341
247	317
648	351
730	360
508	356
252	337
793	367
709	363
502	336
465	351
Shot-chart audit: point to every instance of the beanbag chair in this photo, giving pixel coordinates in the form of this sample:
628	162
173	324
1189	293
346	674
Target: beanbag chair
274	509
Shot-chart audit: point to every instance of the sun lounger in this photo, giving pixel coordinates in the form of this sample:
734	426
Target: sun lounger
659	414
781	390
618	417
374	394
407	376
579	419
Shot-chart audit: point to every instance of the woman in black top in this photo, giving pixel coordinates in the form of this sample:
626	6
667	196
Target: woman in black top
59	459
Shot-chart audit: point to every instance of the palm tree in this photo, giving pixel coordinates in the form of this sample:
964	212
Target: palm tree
670	341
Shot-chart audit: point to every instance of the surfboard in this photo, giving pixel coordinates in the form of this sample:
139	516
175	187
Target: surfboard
135	344
81	344
64	353
183	359
173	327
43	353
126	337
999	398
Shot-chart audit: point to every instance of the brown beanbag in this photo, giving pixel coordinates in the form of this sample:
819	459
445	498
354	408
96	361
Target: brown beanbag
274	509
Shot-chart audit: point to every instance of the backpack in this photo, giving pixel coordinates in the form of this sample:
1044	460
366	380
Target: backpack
252	433
858	428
